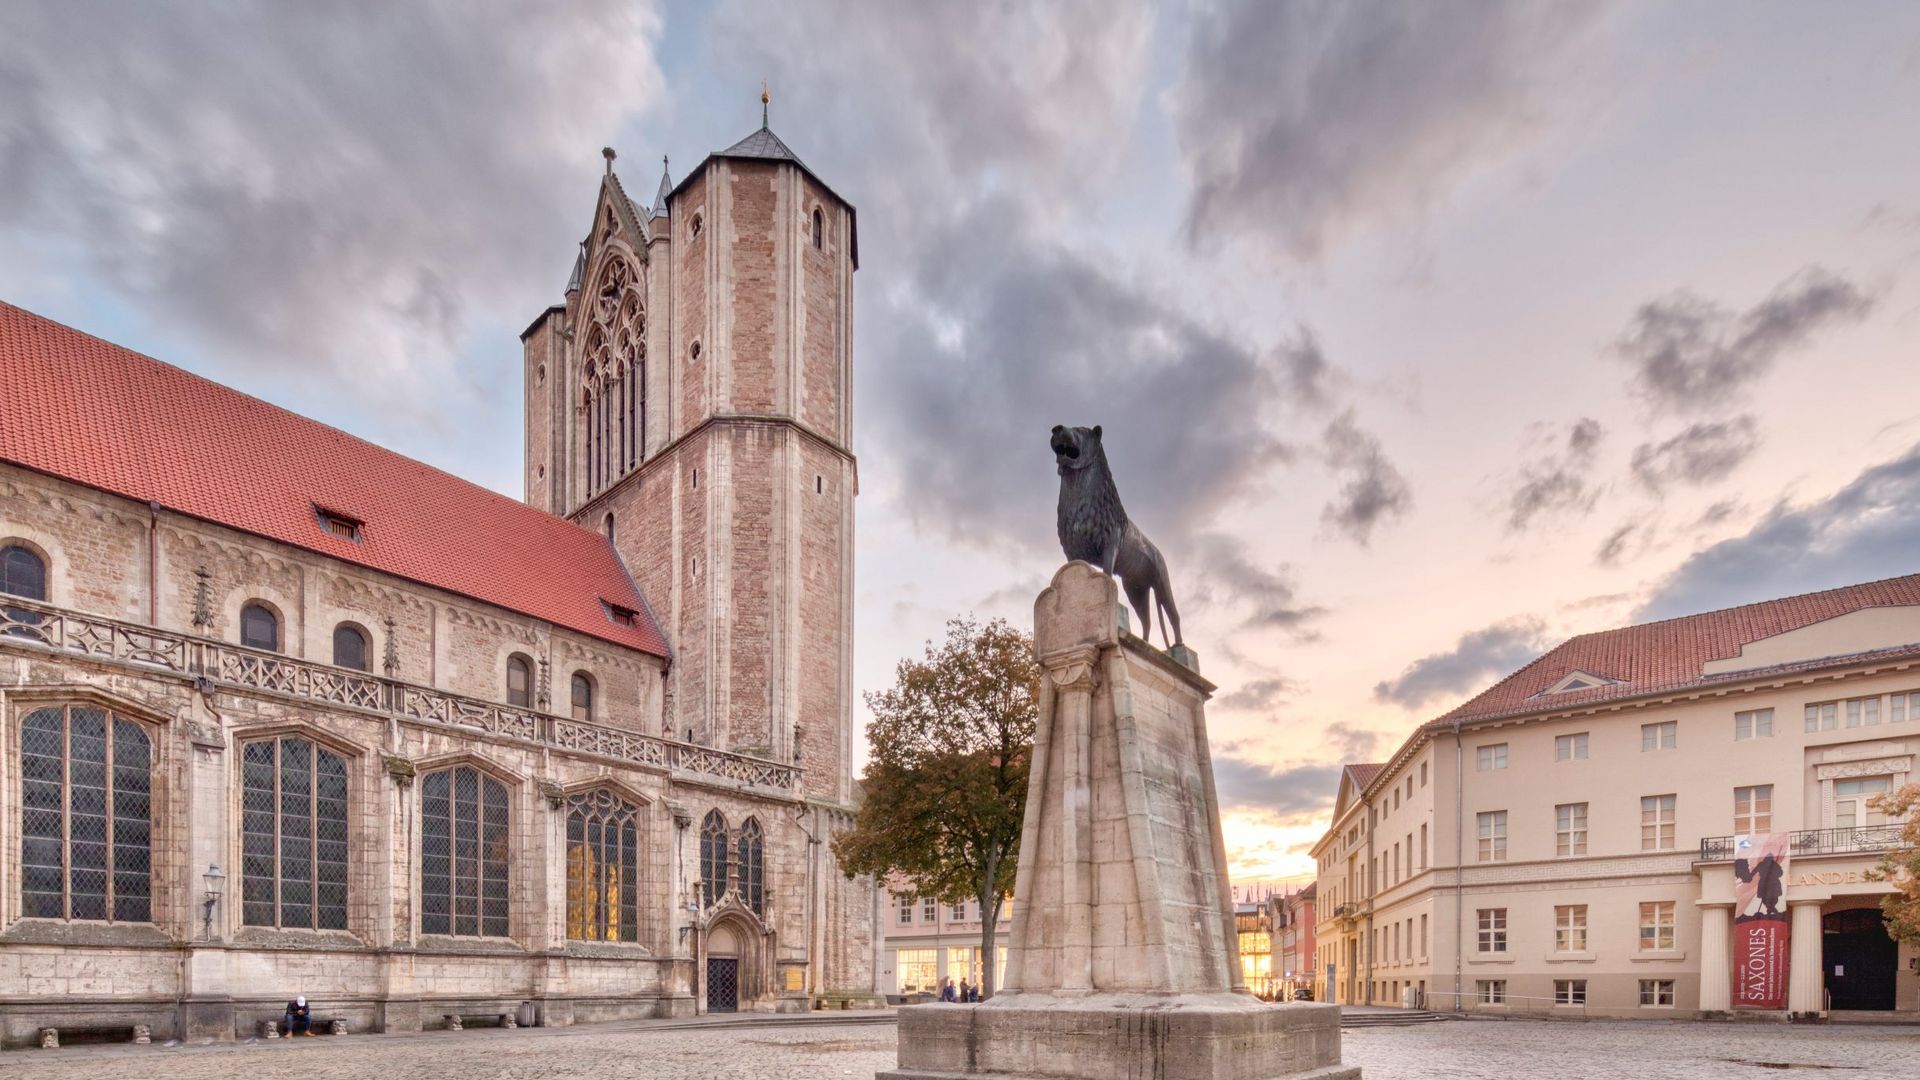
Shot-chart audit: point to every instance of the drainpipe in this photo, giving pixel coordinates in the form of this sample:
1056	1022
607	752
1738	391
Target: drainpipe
1459	853
153	564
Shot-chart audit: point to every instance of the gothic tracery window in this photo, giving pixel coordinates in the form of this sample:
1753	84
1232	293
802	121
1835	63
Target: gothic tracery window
463	853
613	378
86	789
293	835
713	856
752	869
603	867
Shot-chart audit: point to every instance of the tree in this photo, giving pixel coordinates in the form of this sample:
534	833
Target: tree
945	792
1901	865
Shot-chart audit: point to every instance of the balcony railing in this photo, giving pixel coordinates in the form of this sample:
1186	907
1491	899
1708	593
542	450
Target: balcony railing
30	623
1808	842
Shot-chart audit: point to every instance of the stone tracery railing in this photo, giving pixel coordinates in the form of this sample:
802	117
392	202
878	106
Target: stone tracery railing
68	631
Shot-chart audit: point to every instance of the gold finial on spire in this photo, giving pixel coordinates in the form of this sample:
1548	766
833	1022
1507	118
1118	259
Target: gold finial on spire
607	152
765	98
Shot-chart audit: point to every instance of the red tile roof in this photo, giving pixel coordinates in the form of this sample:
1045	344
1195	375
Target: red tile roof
1667	655
1364	774
88	411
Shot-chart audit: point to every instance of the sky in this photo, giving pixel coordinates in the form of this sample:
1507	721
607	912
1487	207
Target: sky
1422	336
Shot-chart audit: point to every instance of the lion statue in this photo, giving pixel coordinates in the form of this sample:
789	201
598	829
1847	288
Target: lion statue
1094	528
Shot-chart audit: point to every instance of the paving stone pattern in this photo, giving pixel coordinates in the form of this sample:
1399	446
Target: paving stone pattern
1519	1050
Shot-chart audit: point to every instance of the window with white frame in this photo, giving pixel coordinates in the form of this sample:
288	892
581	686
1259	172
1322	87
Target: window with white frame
1656	925
1491	991
1903	707
1863	712
906	910
1570	747
1493	757
959	912
1823	716
1753	810
1657	822
1753	724
1570	829
1569	991
1570	928
1493	930
1852	801
1656	993
1493	836
917	970
1663	736
929	910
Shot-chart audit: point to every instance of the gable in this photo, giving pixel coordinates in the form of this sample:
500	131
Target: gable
1866	630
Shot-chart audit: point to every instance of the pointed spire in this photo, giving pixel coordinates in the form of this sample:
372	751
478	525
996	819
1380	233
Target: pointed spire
666	189
765	99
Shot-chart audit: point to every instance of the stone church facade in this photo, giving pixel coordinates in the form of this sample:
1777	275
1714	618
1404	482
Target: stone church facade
287	713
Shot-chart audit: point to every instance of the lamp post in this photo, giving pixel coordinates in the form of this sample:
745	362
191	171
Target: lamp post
215	879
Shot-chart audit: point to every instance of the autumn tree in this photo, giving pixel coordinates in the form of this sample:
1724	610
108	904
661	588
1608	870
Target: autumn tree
945	792
1901	865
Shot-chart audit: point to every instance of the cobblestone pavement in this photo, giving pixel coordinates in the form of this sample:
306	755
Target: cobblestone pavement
1522	1050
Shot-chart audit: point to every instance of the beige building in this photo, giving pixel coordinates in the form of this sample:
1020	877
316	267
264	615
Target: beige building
928	942
284	712
1563	843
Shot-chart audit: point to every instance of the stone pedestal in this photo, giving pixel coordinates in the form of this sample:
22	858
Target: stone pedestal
1122	963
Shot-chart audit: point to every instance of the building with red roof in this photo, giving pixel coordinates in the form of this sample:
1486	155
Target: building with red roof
295	712
1580	838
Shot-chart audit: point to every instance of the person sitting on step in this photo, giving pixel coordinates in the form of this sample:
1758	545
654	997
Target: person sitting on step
299	1017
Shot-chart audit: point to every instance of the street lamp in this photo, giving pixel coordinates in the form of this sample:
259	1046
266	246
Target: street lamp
215	879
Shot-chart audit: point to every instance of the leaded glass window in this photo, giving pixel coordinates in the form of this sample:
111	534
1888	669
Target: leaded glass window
713	855
463	854
603	867
582	696
520	681
22	573
293	835
86	836
752	872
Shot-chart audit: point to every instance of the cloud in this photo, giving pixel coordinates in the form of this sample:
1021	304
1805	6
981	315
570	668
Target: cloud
1352	743
1615	545
1265	598
335	192
1702	454
1279	790
1690	354
1869	529
1478	657
1257	695
1374	492
1307	376
1557	481
1299	122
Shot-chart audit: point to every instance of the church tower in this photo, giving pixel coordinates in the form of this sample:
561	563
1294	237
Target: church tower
691	398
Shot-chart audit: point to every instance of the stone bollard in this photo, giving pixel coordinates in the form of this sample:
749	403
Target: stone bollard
453	1024
142	1035
339	1027
49	1038
270	1029
507	1021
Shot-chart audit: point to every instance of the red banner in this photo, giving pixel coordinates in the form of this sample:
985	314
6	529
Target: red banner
1760	928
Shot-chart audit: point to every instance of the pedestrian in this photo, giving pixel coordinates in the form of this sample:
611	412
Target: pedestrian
946	989
299	1017
976	994
966	991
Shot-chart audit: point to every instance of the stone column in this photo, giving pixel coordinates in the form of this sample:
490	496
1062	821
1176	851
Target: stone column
206	1006
1716	970
1806	977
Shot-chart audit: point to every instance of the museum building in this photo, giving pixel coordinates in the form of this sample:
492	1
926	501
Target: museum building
1565	842
287	713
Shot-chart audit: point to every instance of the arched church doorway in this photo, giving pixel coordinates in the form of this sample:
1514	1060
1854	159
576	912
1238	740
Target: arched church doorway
1860	959
723	970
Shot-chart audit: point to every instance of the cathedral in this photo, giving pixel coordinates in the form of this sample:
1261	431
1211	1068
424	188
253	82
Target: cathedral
286	713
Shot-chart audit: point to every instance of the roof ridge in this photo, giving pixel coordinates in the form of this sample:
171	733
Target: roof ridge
1754	604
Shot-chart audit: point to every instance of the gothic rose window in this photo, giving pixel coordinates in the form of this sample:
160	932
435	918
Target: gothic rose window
613	381
752	870
713	856
603	867
86	789
463	853
293	835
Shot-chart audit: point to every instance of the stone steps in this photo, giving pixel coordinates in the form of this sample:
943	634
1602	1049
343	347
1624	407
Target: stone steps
1395	1018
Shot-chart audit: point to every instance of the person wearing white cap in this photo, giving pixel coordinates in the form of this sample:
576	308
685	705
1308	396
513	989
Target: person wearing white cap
299	1016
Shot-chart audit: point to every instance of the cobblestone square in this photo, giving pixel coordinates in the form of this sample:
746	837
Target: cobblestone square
1520	1049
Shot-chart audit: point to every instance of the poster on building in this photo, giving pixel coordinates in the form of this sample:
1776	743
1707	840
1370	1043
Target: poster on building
1760	926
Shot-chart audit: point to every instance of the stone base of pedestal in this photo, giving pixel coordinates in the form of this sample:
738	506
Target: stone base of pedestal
1121	1037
